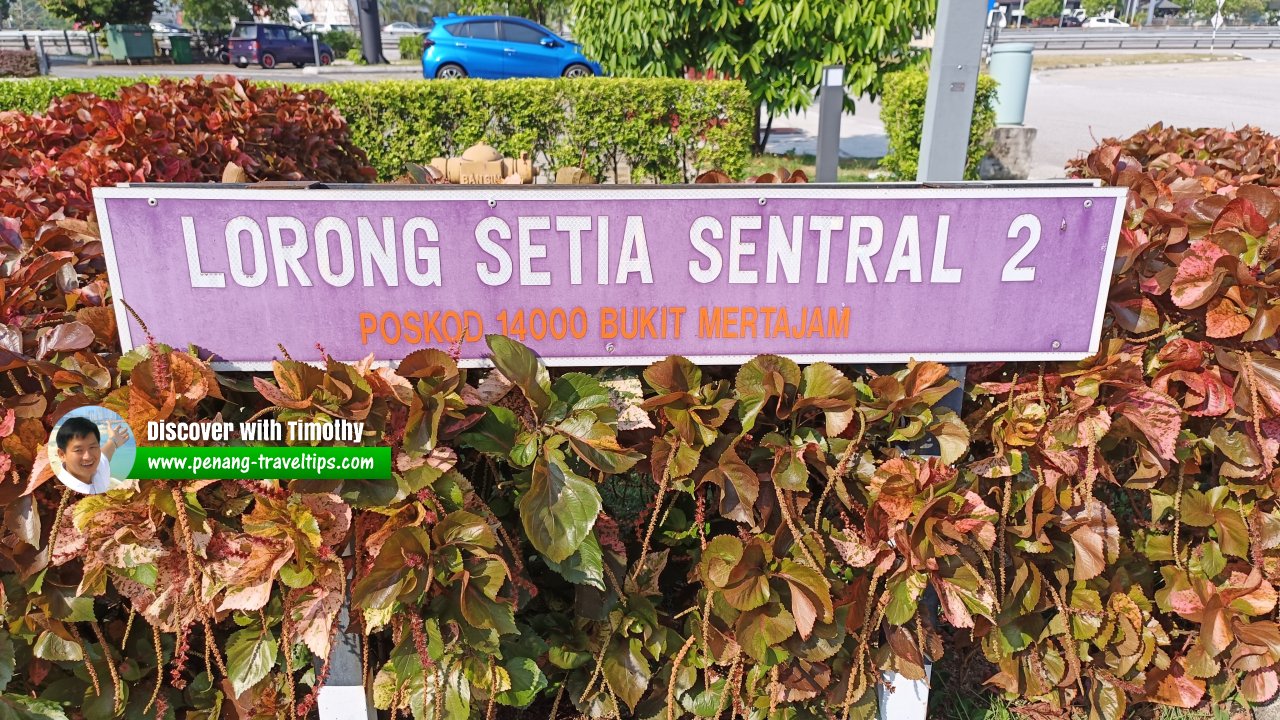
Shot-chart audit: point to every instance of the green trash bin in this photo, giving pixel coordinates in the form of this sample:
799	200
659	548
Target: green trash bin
130	42
180	49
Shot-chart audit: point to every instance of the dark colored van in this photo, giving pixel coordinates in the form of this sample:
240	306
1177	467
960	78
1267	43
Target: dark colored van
269	44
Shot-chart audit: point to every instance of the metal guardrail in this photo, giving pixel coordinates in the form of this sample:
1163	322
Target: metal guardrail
53	42
1149	39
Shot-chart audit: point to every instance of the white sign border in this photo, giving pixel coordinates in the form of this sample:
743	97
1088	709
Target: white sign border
492	194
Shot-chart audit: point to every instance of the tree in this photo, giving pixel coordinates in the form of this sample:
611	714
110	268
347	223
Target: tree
1246	9
33	15
1037	9
543	12
777	47
1101	7
96	13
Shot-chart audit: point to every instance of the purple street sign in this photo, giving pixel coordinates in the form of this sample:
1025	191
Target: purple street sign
619	276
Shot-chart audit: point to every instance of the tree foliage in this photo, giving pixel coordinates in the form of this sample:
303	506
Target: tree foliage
96	13
545	12
777	47
1042	8
1102	7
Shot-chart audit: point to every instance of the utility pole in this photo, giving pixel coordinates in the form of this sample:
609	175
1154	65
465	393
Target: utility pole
944	150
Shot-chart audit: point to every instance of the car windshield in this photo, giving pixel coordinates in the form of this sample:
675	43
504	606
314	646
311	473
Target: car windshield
245	32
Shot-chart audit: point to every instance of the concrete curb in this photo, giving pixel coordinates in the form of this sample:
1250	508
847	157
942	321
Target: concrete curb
1142	62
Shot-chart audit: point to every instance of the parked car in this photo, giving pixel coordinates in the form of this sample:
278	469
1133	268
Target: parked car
403	28
313	28
1105	22
270	44
164	28
497	46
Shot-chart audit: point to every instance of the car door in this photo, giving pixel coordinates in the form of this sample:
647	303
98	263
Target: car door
524	55
481	49
299	46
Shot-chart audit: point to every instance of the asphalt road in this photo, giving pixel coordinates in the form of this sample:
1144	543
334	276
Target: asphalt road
1074	108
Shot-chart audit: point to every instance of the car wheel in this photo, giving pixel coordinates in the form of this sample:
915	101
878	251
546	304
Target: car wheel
578	70
224	58
299	65
242	65
326	59
450	71
268	61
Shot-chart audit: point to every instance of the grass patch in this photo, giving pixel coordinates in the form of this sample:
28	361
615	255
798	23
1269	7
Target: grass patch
849	170
1054	61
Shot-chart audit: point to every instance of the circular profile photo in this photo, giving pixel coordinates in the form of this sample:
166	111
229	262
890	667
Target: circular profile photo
91	450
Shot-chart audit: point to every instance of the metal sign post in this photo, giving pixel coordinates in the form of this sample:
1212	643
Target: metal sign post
830	109
944	150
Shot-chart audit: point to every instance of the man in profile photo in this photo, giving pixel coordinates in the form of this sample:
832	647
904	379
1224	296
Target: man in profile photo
85	459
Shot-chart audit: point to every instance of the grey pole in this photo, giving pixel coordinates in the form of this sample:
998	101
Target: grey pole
830	109
1151	12
315	49
953	78
944	149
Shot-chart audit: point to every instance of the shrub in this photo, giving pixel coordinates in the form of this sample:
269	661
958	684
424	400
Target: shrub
19	64
1104	532
33	96
341	41
902	111
411	47
169	131
662	129
356	55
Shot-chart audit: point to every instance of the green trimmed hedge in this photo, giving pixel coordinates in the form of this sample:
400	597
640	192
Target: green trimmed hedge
410	47
902	112
664	130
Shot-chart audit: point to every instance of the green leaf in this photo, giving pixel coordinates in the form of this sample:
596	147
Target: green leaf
585	566
495	433
1212	562
6	659
597	445
525	448
102	706
762	628
789	470
52	647
19	707
722	555
904	595
522	367
478	597
559	509
579	391
251	654
527	681
627	669
464	528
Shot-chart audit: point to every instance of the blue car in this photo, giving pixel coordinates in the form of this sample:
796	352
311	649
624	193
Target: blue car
494	46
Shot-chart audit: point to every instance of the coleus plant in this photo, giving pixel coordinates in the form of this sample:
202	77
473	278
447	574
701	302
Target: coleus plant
688	542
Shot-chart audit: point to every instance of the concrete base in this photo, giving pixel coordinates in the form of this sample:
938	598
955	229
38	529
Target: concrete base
1010	155
1268	711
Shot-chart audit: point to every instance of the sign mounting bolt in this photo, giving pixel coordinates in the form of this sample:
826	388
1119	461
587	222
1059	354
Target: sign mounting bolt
1056	344
1088	203
608	348
152	202
763	201
1063	226
493	203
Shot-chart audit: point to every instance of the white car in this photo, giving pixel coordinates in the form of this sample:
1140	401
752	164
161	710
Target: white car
1105	22
402	28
